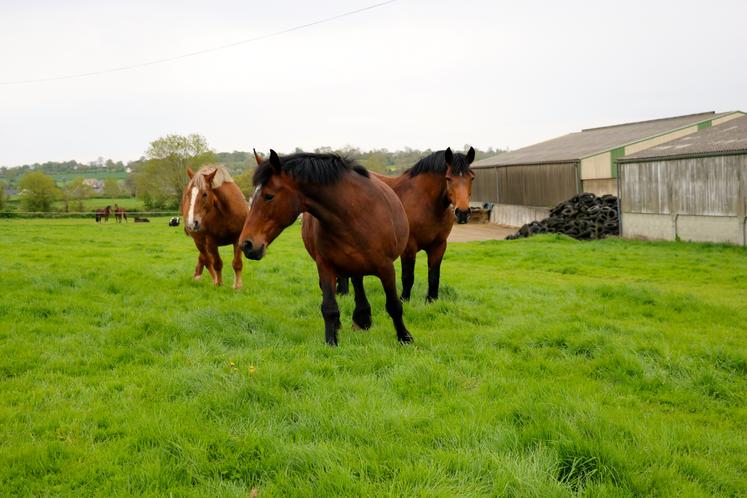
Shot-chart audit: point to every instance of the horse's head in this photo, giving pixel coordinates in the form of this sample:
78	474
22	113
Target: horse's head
459	178
275	205
199	199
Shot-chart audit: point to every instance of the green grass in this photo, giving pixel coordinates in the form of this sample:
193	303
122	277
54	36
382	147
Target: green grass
129	203
548	368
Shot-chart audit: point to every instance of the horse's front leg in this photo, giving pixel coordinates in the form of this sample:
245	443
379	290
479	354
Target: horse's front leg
362	312
237	265
330	310
393	304
435	256
216	263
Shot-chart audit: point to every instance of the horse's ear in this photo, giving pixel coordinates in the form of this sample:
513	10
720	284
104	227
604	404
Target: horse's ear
190	173
274	162
258	157
448	156
209	177
470	155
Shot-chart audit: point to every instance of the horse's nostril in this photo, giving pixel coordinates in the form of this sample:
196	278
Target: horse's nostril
247	245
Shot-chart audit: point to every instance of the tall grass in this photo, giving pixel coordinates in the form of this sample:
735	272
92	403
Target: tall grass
548	368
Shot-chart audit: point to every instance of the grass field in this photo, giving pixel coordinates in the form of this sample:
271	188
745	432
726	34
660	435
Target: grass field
549	368
129	203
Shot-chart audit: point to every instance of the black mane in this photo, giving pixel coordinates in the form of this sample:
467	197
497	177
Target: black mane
304	167
436	163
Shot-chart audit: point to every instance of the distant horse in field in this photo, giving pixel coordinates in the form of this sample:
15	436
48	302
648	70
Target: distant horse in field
427	191
214	209
103	214
353	225
120	214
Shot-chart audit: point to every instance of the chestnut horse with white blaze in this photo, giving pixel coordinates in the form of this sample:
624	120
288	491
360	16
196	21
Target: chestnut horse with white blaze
214	210
353	225
435	192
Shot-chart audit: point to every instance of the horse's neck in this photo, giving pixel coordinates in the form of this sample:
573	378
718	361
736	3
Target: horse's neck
224	200
328	203
434	189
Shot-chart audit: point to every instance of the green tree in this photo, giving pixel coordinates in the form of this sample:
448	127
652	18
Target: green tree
111	187
38	191
3	196
74	192
244	181
163	176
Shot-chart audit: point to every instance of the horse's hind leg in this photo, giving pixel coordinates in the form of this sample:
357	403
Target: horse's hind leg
408	272
435	256
393	304
330	310
362	312
237	265
343	286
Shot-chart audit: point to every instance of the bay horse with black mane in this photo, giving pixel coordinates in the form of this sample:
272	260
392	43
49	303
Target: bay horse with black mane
353	225
214	209
428	190
103	214
120	214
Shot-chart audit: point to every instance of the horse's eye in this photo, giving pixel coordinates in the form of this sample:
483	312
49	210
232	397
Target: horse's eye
204	194
268	197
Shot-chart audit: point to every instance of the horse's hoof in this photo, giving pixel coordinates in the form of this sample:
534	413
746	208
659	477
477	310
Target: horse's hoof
363	325
429	299
197	278
237	287
406	339
404	298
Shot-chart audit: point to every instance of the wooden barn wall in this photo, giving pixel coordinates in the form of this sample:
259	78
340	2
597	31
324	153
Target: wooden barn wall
708	186
485	186
541	185
537	185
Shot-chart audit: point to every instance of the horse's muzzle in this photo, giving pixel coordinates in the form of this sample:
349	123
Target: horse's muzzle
252	251
462	215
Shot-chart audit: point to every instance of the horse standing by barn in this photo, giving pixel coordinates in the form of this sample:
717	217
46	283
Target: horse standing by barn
353	225
427	191
214	209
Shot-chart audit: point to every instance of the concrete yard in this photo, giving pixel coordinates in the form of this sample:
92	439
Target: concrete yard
480	231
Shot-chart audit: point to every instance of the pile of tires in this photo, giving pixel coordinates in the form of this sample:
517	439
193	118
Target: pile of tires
583	217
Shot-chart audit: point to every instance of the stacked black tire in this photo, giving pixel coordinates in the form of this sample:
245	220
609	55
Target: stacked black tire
584	217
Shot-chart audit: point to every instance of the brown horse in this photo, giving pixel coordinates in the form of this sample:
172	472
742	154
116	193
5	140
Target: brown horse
353	225
214	209
103	214
427	191
120	214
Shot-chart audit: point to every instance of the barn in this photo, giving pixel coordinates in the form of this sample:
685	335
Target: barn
693	188
524	183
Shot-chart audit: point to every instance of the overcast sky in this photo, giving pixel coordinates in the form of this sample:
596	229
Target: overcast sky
418	73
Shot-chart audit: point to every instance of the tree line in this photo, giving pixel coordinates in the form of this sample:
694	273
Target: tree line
159	177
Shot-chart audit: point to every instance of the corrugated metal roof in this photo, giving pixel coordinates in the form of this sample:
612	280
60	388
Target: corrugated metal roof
575	146
727	138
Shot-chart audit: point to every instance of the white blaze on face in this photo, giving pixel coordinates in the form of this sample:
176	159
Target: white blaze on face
254	197
192	200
